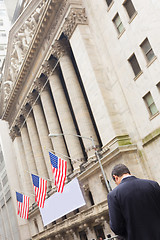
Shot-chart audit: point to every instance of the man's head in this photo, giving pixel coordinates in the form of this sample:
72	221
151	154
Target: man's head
118	172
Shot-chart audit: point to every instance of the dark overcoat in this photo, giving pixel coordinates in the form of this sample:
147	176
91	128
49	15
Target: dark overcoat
134	209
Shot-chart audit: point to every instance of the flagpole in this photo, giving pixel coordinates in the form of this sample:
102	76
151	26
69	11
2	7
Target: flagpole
63	155
40	177
24	193
96	153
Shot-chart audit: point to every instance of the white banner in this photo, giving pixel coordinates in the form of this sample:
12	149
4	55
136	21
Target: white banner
59	204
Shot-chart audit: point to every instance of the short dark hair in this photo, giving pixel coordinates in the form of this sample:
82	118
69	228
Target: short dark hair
119	170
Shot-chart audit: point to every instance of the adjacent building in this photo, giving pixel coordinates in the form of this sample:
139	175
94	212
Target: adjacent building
81	69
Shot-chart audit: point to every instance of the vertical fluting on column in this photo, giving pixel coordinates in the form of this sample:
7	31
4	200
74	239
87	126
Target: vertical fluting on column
24	177
52	121
61	50
28	150
94	75
36	147
66	120
42	131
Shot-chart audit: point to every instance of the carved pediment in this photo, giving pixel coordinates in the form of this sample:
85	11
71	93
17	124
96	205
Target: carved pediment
38	27
19	41
20	38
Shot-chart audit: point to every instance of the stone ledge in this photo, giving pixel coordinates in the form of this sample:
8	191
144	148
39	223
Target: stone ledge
85	216
106	158
151	137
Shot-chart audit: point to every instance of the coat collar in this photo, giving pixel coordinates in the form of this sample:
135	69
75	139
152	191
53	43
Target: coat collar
129	178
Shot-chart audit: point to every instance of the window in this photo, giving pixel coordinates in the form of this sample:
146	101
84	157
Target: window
83	235
147	50
90	197
150	104
99	231
134	64
129	8
118	24
109	2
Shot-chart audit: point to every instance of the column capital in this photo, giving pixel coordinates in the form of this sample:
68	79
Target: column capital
47	68
60	48
31	98
19	121
25	110
14	132
75	17
40	84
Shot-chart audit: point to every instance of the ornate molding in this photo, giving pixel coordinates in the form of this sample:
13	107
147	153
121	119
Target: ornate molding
75	17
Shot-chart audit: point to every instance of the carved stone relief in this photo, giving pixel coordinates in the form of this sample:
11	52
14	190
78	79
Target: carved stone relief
7	86
21	43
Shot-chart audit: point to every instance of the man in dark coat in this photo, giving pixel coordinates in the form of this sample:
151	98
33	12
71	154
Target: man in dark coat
134	206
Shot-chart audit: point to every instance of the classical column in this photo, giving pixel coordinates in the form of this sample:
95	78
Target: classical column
61	51
95	79
24	177
36	147
66	121
28	150
52	121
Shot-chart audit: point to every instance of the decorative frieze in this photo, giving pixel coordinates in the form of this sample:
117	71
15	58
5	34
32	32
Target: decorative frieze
76	16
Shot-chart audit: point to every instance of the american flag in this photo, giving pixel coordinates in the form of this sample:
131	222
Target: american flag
40	188
59	168
23	205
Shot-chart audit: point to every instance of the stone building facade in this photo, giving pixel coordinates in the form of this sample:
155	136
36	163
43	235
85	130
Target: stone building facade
88	68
